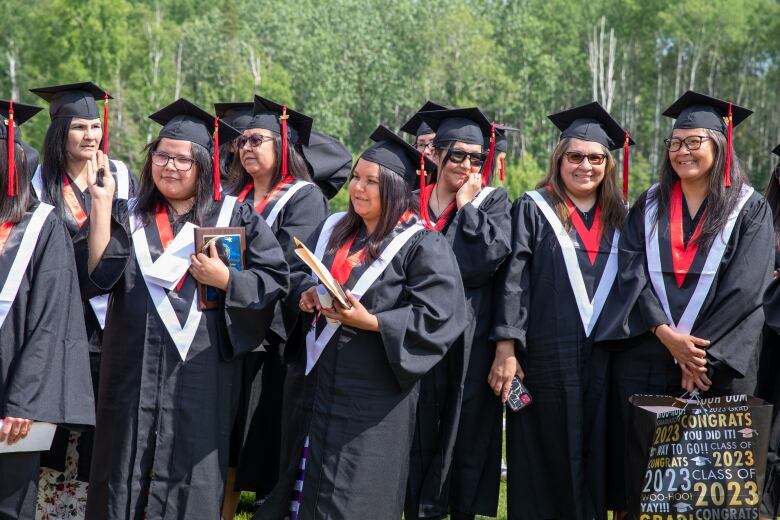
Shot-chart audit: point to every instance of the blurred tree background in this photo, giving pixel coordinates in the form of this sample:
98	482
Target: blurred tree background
352	64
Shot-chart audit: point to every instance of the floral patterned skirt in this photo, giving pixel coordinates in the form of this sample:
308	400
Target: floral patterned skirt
61	496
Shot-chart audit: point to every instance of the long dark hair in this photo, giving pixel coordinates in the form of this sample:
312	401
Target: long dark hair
149	197
608	195
238	177
396	198
773	199
720	200
55	161
12	209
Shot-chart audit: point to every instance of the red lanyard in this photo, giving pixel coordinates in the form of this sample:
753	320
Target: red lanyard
260	205
69	196
165	231
5	231
591	238
446	215
682	257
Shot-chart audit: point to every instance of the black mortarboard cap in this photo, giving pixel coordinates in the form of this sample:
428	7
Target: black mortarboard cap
416	126
267	114
395	154
236	114
776	150
72	100
466	125
501	141
329	162
185	121
22	113
695	110
590	123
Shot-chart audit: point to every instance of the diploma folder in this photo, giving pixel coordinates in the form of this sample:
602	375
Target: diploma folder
319	269
38	439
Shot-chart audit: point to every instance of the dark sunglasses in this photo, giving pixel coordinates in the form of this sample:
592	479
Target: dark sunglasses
254	140
457	156
593	158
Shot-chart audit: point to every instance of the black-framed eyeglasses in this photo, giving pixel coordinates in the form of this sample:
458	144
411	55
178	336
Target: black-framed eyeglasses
457	156
182	164
421	147
692	142
254	140
594	159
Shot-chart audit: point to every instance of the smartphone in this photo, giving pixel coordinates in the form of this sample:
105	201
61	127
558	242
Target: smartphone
519	396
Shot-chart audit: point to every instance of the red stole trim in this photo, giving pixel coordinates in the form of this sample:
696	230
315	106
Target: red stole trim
682	257
5	231
69	196
591	238
260	205
165	231
448	212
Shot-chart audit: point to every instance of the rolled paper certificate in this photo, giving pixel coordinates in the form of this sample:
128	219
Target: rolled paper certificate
326	301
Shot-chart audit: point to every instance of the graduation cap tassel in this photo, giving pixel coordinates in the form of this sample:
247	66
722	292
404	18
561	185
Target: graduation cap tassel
626	147
729	144
489	162
423	193
105	123
502	169
217	184
284	118
12	188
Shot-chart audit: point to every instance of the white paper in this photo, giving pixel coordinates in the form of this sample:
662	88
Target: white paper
169	268
38	439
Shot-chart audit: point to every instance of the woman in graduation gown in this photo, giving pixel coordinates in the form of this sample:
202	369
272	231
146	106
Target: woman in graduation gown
550	293
44	355
695	257
283	194
355	382
456	456
76	134
170	372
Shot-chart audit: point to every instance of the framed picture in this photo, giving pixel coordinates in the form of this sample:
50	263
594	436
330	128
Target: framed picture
231	247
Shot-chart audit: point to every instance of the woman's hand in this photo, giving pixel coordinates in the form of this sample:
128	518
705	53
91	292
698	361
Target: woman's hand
357	317
469	190
698	381
309	300
14	429
687	350
100	182
210	270
505	367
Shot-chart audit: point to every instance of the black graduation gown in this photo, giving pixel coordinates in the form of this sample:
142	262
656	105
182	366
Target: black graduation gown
554	446
44	363
769	389
163	424
358	404
258	422
55	458
731	317
456	454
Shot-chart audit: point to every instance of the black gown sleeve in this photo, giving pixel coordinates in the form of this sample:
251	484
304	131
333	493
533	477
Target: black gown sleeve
307	210
50	378
431	315
771	305
513	282
253	292
632	308
482	236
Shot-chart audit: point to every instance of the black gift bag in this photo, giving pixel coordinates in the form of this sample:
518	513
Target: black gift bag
696	458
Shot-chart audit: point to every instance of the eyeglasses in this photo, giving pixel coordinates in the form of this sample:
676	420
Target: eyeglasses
183	164
457	156
254	140
421	147
692	142
595	159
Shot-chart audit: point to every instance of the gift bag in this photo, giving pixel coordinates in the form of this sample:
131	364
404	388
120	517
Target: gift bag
697	458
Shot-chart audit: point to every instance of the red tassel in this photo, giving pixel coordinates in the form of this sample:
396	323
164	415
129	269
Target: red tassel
217	183
284	140
626	147
729	137
424	216
105	123
489	162
12	188
502	168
